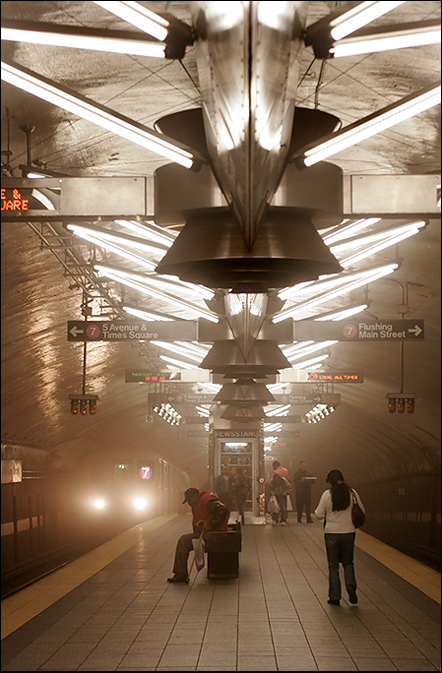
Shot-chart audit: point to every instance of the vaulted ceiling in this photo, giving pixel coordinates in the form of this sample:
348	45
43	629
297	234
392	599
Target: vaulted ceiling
42	263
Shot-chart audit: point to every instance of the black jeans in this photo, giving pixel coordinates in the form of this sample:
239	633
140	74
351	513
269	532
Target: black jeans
340	547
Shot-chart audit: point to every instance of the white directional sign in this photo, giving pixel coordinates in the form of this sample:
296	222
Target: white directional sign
358	330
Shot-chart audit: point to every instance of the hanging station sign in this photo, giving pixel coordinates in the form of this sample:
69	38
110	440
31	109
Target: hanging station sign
358	330
338	376
131	330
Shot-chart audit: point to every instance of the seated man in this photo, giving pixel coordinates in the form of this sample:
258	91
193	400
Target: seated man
209	514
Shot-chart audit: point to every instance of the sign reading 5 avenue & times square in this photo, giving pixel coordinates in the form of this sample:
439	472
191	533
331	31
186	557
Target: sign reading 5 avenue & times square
359	330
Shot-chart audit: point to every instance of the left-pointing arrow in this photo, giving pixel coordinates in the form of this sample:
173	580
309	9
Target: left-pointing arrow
75	331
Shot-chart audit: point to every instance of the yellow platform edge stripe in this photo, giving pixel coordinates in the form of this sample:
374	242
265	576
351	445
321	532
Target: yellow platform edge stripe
30	601
415	573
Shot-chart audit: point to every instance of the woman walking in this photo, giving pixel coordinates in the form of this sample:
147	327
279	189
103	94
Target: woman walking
335	508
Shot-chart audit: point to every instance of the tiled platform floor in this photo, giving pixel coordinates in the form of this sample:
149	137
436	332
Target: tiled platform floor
274	617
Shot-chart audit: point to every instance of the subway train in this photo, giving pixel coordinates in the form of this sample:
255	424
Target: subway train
52	515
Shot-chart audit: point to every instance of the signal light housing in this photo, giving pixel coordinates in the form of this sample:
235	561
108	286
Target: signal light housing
392	405
401	402
79	404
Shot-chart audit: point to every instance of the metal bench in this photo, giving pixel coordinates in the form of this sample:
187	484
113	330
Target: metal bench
222	549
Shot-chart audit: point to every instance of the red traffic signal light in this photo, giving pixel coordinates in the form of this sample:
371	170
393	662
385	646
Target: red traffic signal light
74	407
392	405
410	405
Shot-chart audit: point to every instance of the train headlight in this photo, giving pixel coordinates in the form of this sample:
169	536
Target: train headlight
139	504
99	503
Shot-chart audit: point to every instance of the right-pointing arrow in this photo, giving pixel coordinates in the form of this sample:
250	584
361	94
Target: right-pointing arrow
416	330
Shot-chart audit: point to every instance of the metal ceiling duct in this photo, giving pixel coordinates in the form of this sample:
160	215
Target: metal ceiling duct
225	357
244	392
211	251
243	413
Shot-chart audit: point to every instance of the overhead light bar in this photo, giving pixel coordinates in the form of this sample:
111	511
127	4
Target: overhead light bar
177	350
382	234
138	16
345	230
414	36
301	310
175	33
80	38
405	232
118	250
359	16
309	349
116	237
310	363
177	363
369	126
40	86
126	279
146	230
148	315
342	314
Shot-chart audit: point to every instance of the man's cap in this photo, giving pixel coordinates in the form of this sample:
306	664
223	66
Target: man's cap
189	493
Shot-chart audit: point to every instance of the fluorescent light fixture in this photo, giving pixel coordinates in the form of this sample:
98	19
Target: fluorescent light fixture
359	16
297	346
146	230
309	363
383	234
117	250
351	282
177	350
97	114
191	347
44	200
126	279
349	229
369	126
280	410
139	16
144	314
177	363
310	349
78	40
382	41
342	314
406	232
116	237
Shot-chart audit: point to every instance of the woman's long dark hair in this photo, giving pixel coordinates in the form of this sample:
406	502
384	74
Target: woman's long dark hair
340	491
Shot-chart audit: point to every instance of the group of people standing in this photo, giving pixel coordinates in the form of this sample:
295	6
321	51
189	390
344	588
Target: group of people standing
280	485
230	486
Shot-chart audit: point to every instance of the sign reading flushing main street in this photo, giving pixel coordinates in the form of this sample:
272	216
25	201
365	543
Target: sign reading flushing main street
358	330
118	331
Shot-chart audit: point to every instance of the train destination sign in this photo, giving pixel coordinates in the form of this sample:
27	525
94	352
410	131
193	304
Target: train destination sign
336	377
137	376
120	331
358	330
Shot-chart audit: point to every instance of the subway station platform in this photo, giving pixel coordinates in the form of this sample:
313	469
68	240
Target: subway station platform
113	609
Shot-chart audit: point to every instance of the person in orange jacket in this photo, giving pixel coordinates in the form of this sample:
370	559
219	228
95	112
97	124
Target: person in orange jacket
209	514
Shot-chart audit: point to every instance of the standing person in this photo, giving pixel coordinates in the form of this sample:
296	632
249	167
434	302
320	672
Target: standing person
303	481
209	513
335	508
283	471
224	486
241	487
280	487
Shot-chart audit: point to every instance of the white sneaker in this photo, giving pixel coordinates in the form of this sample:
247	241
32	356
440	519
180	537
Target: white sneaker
283	523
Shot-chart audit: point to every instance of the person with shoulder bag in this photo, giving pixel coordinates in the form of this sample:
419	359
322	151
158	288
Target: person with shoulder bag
336	508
